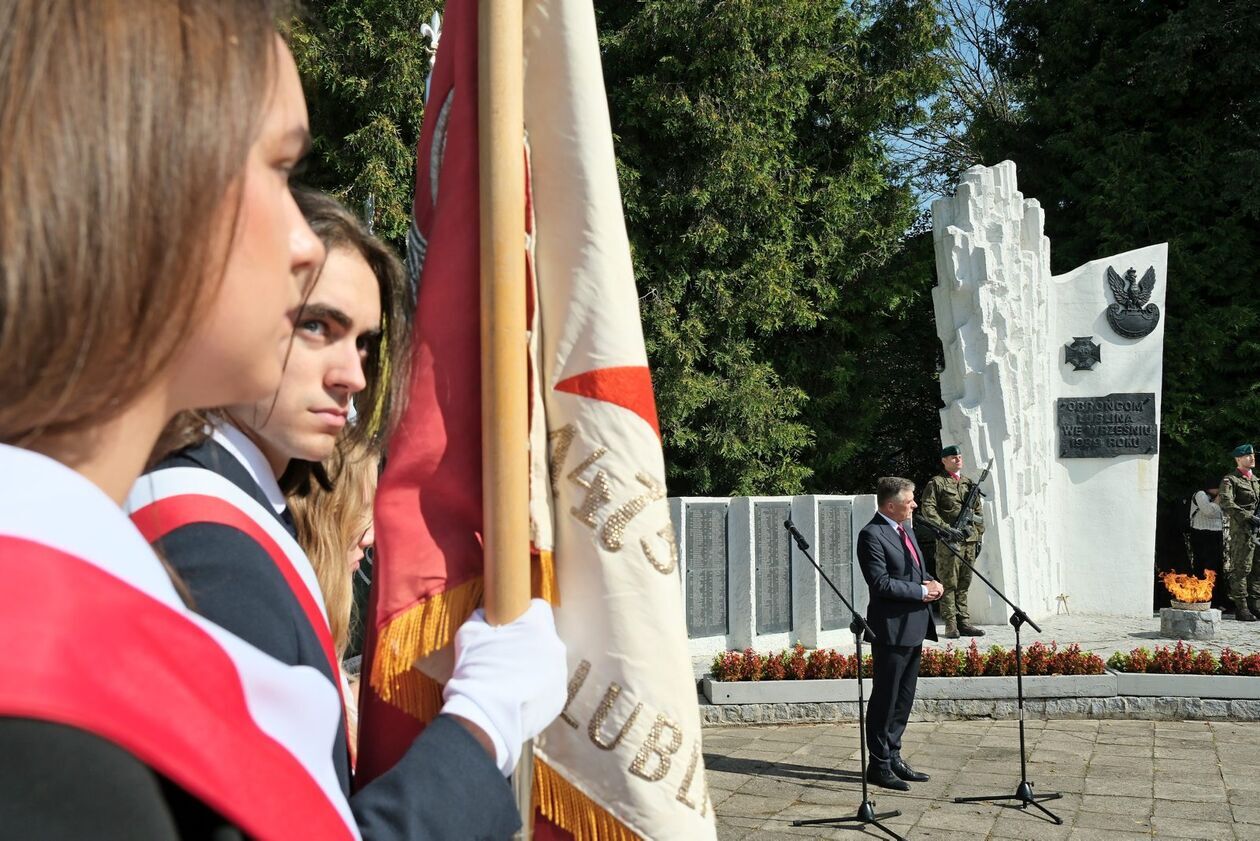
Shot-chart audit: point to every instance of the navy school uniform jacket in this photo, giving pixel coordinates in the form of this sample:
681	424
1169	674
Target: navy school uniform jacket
445	786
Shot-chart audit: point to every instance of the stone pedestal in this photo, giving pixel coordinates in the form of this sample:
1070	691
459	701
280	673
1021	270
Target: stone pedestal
1188	624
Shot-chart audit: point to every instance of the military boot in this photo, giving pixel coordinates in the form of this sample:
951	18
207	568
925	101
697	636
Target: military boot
1242	614
951	630
968	630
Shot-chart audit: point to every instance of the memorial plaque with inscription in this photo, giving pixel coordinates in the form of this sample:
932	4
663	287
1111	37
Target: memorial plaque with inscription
705	539
835	556
772	580
1103	427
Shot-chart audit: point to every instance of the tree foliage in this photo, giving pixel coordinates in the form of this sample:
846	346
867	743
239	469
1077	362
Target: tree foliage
363	65
1139	124
764	207
975	96
768	211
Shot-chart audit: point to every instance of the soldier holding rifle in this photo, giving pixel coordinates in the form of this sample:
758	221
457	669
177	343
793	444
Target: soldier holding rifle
1240	491
951	502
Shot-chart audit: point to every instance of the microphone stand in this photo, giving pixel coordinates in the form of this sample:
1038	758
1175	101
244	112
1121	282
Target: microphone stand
1024	791
866	813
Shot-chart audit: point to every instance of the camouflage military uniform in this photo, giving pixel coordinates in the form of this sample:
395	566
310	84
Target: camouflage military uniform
1238	499
942	502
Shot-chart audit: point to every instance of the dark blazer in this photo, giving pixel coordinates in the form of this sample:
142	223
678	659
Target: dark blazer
57	781
445	786
897	613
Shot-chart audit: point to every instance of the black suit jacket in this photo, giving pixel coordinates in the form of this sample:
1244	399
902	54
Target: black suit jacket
445	786
897	613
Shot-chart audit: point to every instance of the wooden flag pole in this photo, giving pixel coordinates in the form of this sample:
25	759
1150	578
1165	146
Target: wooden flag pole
504	341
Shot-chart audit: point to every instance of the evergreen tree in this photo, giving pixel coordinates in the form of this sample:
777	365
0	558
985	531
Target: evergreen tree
764	206
363	65
1139	124
791	343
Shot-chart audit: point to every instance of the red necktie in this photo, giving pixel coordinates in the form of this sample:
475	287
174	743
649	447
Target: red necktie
905	540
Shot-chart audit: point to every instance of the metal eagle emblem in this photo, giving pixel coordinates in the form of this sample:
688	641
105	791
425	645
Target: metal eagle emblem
1132	315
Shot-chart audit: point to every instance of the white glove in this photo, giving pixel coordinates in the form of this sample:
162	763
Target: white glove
509	680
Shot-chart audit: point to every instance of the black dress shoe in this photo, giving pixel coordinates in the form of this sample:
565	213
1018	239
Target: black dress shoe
905	772
885	779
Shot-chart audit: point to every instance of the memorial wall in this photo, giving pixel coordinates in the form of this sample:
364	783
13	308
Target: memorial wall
745	583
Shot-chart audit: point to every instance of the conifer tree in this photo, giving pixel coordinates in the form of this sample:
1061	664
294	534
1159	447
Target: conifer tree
1138	124
764	205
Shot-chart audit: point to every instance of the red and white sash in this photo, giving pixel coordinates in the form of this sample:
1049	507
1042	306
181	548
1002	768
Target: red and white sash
109	647
169	499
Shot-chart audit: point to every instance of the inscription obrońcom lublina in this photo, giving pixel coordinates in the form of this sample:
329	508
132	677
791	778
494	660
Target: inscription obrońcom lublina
1102	427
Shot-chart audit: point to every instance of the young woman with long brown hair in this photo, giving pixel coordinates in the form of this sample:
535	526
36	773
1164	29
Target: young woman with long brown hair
235	547
152	260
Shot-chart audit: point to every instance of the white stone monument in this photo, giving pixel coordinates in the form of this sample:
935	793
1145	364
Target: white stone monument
1057	379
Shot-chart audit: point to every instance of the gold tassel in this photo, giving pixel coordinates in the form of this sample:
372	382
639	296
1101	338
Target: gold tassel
542	577
430	626
417	632
571	810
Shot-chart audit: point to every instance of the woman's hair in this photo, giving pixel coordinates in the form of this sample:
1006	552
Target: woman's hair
126	127
331	521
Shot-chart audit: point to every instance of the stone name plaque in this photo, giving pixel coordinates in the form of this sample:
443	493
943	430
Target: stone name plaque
1103	427
772	579
705	542
835	556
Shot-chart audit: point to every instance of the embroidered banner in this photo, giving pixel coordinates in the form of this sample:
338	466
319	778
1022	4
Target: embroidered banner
624	760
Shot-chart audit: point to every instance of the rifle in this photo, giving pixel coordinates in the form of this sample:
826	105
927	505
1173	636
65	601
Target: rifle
966	516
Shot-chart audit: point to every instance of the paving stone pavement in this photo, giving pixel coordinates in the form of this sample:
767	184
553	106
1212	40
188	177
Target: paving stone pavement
1119	780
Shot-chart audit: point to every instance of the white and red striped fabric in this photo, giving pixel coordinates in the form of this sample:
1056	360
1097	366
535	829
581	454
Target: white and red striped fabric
166	500
108	646
629	740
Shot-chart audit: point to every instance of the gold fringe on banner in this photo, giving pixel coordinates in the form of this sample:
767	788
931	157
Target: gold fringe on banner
568	808
430	626
542	577
417	632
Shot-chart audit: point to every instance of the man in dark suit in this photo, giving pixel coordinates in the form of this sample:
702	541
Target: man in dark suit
901	590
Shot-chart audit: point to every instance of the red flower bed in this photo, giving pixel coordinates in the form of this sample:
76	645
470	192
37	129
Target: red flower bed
797	663
1183	659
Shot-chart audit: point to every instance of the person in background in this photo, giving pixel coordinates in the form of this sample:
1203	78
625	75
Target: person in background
1240	493
943	498
334	528
1206	547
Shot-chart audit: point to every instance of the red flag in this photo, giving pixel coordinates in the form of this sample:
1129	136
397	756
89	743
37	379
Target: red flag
427	573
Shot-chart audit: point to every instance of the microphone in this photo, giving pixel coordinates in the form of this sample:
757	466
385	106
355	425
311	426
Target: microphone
941	533
796	535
